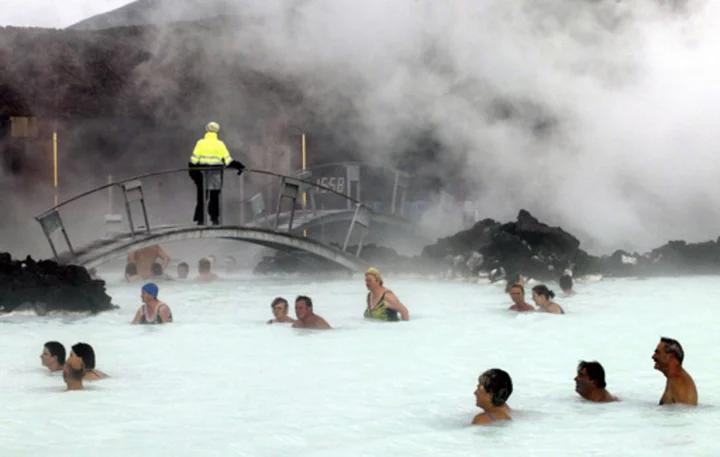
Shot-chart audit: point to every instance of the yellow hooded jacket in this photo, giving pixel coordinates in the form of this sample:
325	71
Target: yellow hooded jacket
210	151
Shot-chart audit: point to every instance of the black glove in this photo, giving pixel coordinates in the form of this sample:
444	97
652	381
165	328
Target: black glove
238	166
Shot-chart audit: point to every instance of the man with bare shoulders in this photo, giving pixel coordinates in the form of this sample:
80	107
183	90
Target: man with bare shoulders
144	259
306	318
590	383
517	293
680	387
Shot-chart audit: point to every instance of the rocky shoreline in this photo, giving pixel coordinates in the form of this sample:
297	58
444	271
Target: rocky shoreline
529	247
46	287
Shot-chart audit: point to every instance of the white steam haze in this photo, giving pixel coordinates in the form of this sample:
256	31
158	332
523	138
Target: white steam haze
626	93
52	13
598	116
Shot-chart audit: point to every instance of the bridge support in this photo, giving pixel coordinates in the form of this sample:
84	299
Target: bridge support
290	189
132	192
353	176
51	223
362	217
401	184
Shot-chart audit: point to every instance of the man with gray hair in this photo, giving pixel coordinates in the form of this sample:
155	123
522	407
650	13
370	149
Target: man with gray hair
680	387
209	152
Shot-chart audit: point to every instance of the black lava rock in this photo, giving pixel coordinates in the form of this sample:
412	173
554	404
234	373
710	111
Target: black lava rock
48	286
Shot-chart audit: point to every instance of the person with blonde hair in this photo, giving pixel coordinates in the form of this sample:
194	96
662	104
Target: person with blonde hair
382	303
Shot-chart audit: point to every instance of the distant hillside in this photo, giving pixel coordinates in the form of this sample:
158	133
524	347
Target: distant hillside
147	12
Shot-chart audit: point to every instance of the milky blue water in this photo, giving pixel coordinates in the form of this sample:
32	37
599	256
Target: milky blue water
219	381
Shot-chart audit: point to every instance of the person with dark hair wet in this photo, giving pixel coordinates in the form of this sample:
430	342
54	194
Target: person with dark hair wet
280	309
306	317
566	284
590	382
680	387
517	294
493	390
85	352
542	296
53	356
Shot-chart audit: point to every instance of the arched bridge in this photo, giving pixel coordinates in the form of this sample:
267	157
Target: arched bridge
148	220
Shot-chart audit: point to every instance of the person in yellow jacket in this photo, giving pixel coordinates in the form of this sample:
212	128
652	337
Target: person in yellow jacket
210	152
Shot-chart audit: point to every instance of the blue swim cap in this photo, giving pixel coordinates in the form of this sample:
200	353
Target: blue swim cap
151	288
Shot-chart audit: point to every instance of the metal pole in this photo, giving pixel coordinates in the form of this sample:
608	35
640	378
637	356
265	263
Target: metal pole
304	167
110	195
242	199
55	166
394	194
204	198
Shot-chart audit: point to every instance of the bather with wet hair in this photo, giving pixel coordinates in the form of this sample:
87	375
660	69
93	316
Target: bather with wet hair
493	390
679	387
542	296
280	309
517	294
590	382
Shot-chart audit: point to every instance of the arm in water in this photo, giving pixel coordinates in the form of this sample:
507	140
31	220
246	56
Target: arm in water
392	302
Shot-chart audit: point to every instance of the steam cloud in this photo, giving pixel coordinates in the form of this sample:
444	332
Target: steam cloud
595	115
599	116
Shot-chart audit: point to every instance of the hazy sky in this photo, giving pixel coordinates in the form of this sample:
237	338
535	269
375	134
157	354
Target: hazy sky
53	13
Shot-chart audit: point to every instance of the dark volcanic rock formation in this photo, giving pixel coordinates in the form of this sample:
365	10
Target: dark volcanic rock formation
526	246
47	286
529	247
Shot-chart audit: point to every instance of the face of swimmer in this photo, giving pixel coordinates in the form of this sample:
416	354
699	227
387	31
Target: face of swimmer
483	399
661	357
583	383
371	282
517	295
145	297
302	310
540	300
280	309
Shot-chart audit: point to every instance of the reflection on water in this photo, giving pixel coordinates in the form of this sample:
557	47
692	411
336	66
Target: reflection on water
219	381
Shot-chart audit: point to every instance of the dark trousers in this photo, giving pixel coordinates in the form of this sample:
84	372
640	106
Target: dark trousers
213	208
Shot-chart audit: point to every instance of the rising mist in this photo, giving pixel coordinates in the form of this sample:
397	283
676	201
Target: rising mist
597	116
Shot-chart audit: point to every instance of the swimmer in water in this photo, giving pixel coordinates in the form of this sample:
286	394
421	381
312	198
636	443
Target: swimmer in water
183	270
517	293
306	318
590	383
144	259
53	356
205	270
280	309
153	311
73	372
382	303
680	387
85	352
566	284
493	390
542	296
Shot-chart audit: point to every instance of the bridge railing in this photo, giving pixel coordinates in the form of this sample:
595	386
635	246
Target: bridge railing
348	178
166	199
